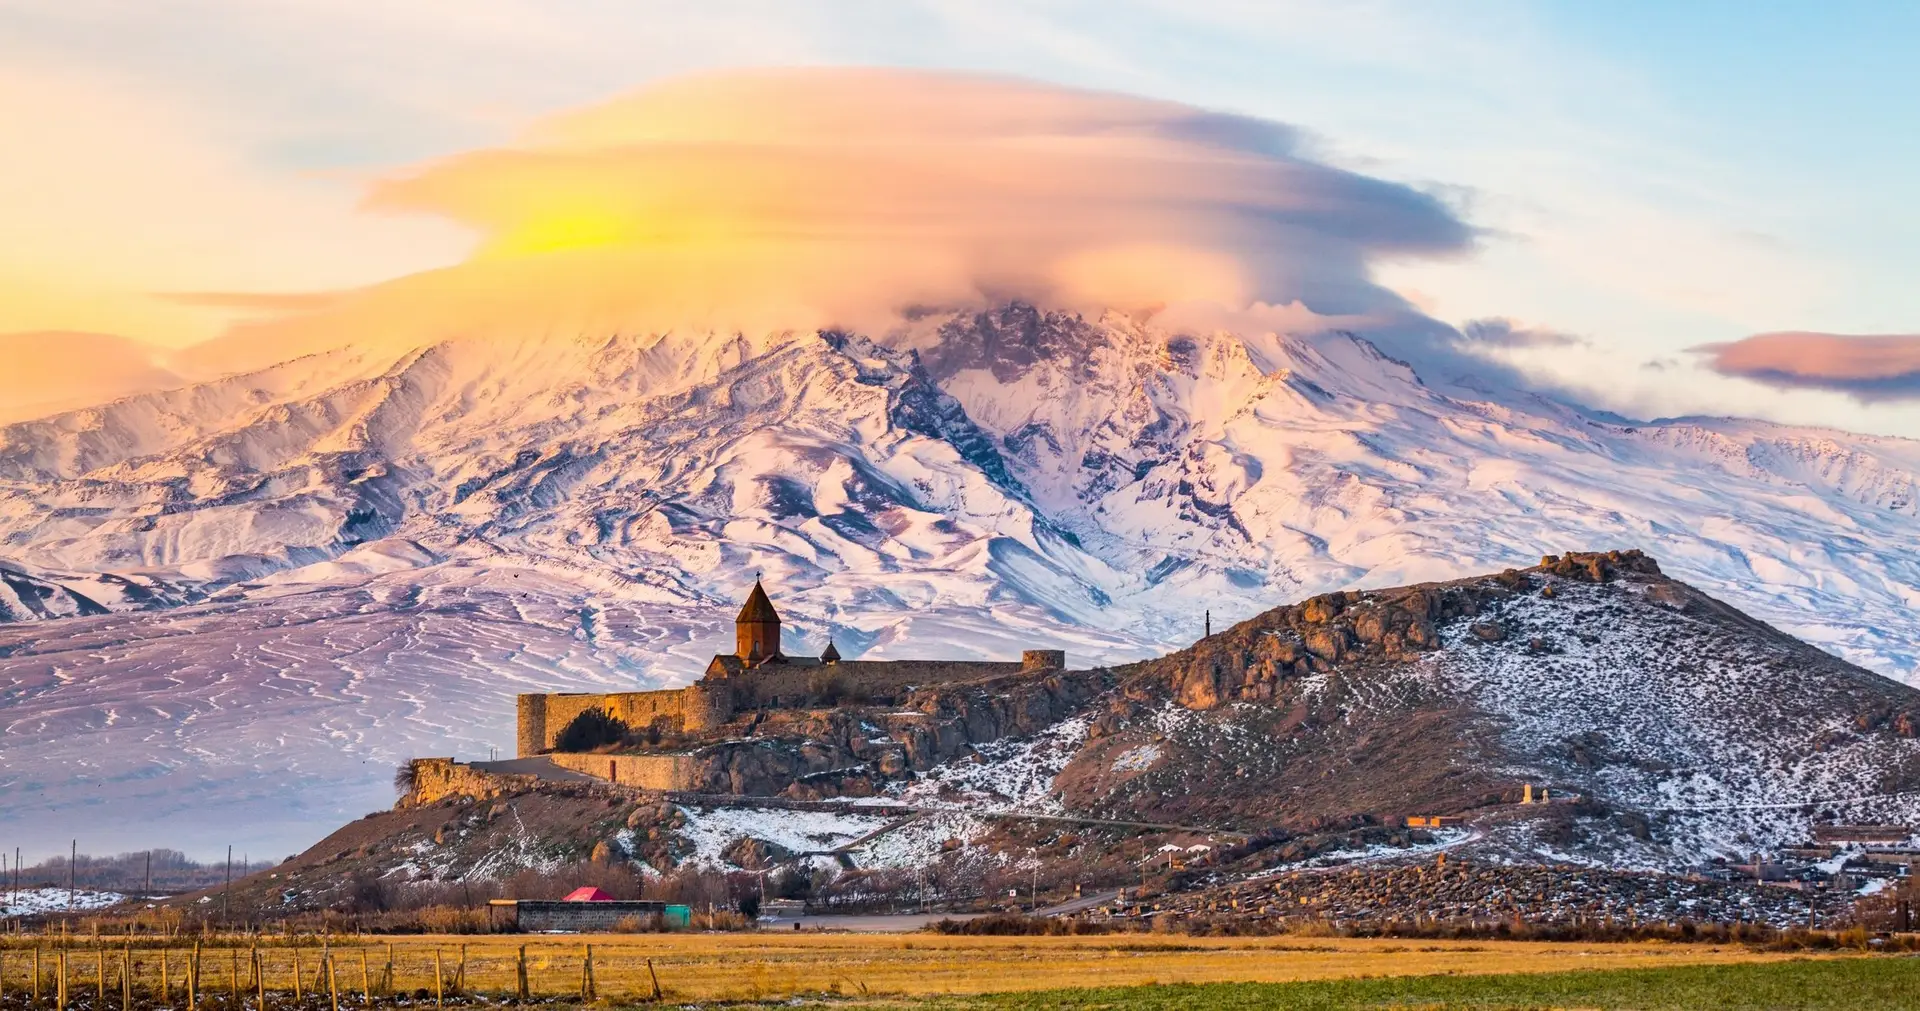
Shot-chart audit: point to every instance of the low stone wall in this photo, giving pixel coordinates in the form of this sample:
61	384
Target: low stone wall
647	772
435	779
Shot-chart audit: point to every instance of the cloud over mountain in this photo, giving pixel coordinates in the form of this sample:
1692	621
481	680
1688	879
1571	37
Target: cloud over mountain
816	197
1869	367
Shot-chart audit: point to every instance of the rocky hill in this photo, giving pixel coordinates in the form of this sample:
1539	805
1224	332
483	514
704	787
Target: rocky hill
1659	730
389	544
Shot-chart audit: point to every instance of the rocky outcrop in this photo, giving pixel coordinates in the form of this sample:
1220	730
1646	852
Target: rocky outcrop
1359	628
852	751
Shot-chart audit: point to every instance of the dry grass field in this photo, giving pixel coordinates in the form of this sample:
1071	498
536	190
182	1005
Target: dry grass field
772	965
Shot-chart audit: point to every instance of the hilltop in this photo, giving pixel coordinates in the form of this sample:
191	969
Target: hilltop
1666	730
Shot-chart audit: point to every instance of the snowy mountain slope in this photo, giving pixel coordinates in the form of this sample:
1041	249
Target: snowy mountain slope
1301	464
971	484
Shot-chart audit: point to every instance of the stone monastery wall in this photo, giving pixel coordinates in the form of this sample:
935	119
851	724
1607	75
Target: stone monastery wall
695	708
714	700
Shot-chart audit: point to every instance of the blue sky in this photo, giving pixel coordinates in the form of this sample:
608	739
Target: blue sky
1648	177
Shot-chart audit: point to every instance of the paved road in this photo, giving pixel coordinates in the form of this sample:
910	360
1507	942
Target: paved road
1082	903
541	767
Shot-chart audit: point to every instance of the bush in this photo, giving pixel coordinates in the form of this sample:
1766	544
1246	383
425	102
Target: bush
595	728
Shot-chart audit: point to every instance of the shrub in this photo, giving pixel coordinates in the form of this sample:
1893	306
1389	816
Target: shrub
592	729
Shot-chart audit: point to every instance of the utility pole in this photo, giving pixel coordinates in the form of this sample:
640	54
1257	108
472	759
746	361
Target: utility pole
73	854
226	890
149	875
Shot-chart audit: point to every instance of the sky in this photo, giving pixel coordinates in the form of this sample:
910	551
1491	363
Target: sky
1663	209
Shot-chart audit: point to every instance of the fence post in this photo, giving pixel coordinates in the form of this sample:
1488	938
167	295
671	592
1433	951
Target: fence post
166	983
656	980
386	986
523	972
233	976
193	978
126	978
60	985
460	981
439	980
333	988
260	977
366	985
99	971
296	976
36	974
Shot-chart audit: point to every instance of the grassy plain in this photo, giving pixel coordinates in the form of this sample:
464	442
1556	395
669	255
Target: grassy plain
1852	984
772	965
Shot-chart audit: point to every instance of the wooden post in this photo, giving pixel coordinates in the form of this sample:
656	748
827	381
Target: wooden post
460	981
439	977
656	980
60	985
366	985
166	984
333	988
297	995
233	977
193	978
126	978
522	973
386	985
260	978
99	971
586	973
36	974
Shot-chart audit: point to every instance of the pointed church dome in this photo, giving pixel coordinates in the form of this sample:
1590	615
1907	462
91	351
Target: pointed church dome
830	654
758	607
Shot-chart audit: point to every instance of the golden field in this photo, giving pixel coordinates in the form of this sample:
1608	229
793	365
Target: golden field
770	964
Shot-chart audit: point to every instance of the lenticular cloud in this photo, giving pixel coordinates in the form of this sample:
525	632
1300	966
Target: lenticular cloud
1869	368
799	198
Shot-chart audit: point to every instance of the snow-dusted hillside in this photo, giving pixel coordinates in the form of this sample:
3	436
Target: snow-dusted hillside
968	485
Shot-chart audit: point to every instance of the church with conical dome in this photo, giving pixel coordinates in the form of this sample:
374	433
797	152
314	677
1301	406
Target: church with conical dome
758	675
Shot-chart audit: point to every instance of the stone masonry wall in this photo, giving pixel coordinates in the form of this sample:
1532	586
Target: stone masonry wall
780	685
648	772
542	718
437	778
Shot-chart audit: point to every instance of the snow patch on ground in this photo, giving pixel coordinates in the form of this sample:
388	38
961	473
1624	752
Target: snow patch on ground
34	901
712	830
1137	759
1011	774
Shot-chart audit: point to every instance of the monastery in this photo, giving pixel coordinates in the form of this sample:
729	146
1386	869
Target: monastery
760	675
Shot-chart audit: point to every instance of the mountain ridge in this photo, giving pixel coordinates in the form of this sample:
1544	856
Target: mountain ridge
969	484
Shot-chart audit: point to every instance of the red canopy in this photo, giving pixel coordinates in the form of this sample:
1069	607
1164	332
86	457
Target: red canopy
588	895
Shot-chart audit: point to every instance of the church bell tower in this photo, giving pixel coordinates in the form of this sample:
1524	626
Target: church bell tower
757	630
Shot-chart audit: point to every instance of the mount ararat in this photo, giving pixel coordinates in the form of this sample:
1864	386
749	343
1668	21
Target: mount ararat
238	604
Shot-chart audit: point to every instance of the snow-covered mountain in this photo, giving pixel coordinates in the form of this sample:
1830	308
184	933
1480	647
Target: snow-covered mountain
387	545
